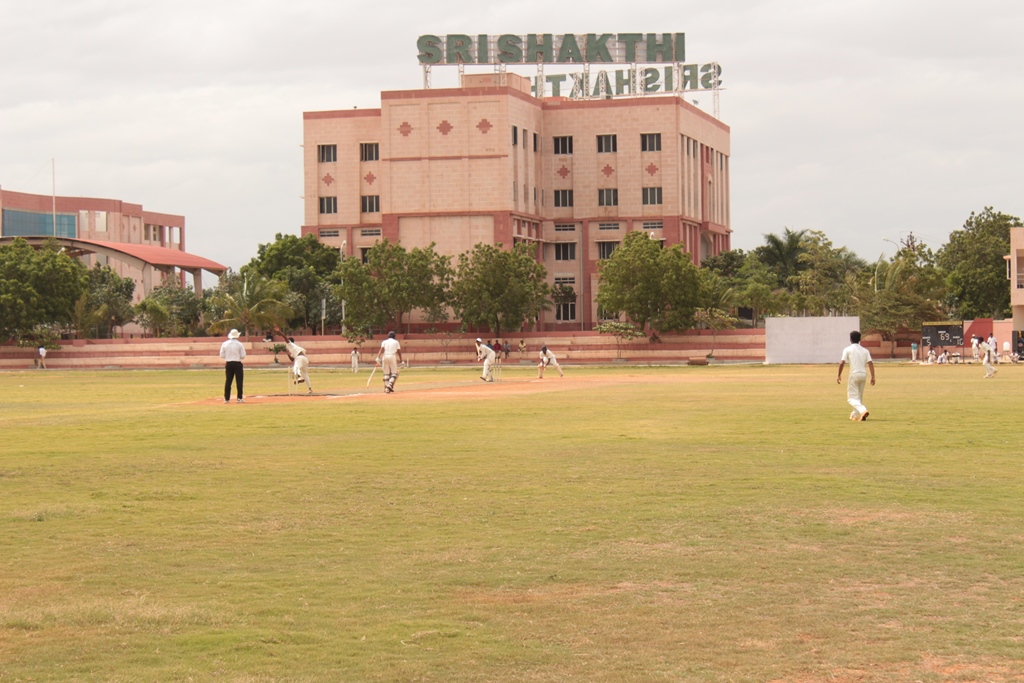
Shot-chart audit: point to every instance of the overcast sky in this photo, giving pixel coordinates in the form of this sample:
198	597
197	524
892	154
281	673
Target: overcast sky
865	119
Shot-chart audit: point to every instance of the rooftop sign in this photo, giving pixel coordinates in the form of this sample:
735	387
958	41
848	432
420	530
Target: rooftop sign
549	48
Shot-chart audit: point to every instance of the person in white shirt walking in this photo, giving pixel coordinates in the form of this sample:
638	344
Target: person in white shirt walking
355	359
547	358
860	362
389	356
232	351
486	354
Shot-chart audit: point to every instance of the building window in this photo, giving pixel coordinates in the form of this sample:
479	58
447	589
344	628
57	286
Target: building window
602	314
607	226
535	137
30	224
565	311
605	249
565	251
650	142
652	195
364	254
328	205
369	203
369	151
328	153
563	198
515	136
563	145
653	225
330	232
608	197
370	232
565	227
607	144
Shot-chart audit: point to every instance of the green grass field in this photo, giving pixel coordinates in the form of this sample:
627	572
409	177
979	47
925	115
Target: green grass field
726	523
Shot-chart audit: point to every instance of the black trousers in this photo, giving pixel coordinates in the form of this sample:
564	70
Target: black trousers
233	370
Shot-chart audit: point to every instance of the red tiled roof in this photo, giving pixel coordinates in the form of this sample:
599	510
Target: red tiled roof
160	256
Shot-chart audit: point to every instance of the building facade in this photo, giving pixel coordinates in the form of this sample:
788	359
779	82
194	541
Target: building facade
142	245
490	162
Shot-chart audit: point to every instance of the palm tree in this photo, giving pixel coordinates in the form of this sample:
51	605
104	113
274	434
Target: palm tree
251	301
782	254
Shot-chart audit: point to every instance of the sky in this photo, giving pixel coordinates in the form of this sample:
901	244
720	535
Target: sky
866	120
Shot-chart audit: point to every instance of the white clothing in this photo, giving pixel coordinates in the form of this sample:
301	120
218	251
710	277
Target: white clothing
857	357
355	360
232	350
389	347
485	353
389	362
547	358
300	364
42	352
988	358
974	347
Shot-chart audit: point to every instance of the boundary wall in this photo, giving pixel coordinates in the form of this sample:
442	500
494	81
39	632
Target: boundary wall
744	345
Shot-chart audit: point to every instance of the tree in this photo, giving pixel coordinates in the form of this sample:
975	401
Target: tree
408	280
184	309
249	302
727	264
651	285
152	315
756	287
974	265
621	331
782	254
304	264
899	294
110	294
358	289
715	302
37	287
822	278
499	289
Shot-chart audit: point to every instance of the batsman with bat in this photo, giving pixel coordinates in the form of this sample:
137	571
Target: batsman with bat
486	354
389	356
547	358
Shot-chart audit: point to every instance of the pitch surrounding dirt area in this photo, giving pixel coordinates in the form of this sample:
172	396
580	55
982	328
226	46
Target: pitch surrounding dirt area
413	390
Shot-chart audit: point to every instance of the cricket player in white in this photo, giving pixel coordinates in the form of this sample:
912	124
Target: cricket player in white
860	362
389	356
547	358
486	354
300	363
988	356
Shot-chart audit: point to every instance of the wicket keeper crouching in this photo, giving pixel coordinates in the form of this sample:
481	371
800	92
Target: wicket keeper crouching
389	356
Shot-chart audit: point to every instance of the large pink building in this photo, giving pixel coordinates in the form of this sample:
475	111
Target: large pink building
489	162
144	245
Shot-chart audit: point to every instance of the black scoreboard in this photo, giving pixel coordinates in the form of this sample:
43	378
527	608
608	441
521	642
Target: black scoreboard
950	333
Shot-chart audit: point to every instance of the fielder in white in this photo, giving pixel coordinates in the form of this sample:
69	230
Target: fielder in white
300	362
988	356
860	362
486	354
547	358
389	356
